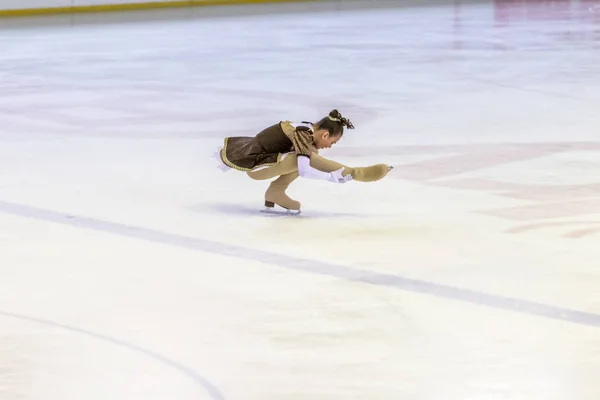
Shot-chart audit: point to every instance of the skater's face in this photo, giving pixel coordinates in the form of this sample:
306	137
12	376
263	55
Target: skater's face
323	140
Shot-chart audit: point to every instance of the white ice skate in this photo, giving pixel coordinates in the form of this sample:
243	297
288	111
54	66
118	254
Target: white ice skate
274	209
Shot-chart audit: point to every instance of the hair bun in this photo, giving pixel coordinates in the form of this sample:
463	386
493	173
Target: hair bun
335	115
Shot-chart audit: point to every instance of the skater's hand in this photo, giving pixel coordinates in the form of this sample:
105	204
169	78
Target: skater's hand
337	177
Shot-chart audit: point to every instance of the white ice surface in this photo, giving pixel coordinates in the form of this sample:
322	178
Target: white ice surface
132	268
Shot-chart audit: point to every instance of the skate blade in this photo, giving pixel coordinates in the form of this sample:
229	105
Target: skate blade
282	212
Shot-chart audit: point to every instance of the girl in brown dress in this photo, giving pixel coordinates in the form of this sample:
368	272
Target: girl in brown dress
288	150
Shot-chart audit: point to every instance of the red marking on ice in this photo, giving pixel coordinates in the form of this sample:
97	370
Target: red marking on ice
551	201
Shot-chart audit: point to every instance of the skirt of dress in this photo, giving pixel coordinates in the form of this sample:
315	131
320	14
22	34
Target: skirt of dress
247	154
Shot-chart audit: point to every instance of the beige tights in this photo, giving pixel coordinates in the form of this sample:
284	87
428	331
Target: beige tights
287	171
362	174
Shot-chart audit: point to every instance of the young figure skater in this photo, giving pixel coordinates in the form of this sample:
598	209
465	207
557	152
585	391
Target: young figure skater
288	150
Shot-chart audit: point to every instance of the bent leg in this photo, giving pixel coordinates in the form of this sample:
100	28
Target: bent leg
276	192
286	172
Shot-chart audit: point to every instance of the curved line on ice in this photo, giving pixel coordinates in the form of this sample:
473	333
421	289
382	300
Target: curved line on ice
211	389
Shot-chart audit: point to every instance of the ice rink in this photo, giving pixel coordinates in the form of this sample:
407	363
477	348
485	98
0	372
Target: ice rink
132	268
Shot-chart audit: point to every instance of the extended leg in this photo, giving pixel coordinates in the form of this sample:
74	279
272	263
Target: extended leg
362	174
287	165
326	165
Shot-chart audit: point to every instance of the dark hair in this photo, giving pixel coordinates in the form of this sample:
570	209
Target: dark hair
334	123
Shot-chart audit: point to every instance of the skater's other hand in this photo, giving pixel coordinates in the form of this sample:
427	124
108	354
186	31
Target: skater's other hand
337	177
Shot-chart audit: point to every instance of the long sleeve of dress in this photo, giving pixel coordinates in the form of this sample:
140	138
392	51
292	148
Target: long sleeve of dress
308	172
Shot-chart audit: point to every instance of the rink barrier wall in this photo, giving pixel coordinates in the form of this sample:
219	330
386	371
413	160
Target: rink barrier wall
40	7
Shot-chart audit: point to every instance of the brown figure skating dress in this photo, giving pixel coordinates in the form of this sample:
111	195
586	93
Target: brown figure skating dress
266	149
